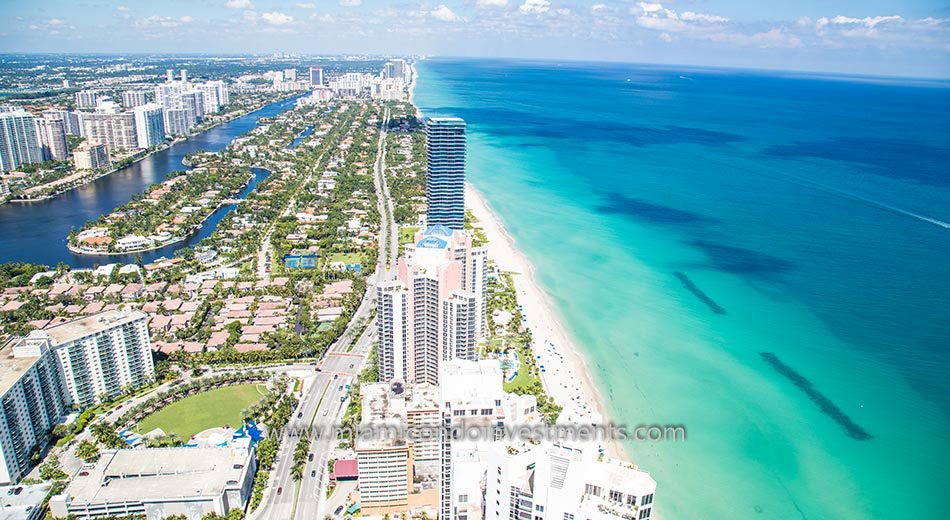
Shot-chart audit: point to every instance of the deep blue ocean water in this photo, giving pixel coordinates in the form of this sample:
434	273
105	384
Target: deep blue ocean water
762	257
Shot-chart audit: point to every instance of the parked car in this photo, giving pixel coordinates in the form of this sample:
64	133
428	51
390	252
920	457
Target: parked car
313	473
310	458
280	490
338	510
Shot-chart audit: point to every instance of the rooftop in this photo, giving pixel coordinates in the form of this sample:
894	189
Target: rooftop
160	473
89	325
13	367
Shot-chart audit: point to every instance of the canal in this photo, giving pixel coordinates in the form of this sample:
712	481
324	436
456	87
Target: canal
36	232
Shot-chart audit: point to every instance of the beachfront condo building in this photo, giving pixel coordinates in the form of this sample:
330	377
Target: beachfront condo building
18	142
445	175
32	400
149	124
475	407
558	481
390	461
51	134
91	157
434	310
101	355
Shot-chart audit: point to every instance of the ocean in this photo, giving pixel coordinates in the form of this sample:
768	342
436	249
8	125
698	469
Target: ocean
763	258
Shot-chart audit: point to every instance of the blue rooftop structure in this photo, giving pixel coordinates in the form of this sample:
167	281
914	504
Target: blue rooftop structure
438	230
432	242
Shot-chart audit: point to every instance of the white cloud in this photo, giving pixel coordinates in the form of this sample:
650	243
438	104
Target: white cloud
443	13
277	18
307	5
122	8
666	37
239	4
535	6
598	8
690	16
55	21
491	3
868	21
162	21
350	3
564	11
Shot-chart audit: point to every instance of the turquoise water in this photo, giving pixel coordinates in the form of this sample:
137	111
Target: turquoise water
764	259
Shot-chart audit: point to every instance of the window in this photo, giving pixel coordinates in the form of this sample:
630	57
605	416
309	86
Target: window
539	507
458	412
473	412
568	516
497	402
590	489
645	513
616	496
463	499
631	500
486	411
647	499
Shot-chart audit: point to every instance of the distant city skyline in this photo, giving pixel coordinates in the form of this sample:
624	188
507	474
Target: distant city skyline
877	37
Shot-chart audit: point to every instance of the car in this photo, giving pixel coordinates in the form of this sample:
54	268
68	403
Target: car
351	365
336	376
338	510
310	458
313	473
18	490
299	415
325	412
341	388
280	490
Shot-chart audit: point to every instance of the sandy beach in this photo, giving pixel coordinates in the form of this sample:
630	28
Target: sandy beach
566	376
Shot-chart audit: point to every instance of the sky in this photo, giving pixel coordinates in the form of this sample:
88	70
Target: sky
875	37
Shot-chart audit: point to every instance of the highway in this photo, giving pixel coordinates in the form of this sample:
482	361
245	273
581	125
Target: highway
324	401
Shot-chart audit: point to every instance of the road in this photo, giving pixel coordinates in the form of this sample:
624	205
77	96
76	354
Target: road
324	400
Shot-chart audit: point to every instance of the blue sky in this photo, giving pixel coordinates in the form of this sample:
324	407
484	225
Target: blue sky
889	37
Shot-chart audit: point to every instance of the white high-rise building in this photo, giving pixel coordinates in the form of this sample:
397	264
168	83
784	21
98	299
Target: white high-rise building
134	98
392	322
18	141
388	463
71	120
88	98
316	76
115	130
91	157
149	124
215	95
51	133
178	120
472	399
32	400
557	481
80	363
102	354
290	74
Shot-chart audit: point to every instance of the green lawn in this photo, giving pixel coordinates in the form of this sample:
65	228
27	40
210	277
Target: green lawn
199	412
347	258
407	234
522	380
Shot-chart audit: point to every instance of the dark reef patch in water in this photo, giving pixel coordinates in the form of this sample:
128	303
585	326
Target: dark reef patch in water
519	123
639	209
738	260
827	407
895	158
697	292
